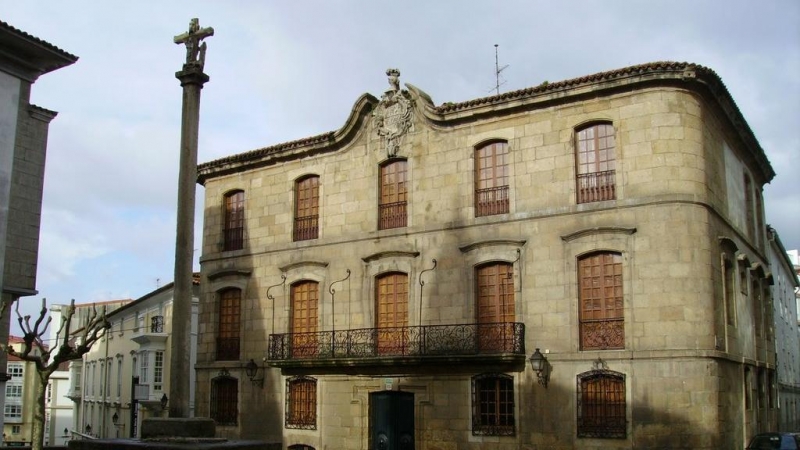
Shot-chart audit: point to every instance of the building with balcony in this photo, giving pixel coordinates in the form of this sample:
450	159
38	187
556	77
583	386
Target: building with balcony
581	264
786	295
71	373
23	147
124	378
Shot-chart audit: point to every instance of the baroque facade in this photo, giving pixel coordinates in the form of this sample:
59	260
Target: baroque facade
581	264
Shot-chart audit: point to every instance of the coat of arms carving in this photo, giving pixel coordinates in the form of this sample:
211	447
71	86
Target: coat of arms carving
392	117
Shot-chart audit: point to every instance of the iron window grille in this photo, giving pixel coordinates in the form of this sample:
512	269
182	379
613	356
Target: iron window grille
301	403
601	404
493	405
157	324
225	400
393	195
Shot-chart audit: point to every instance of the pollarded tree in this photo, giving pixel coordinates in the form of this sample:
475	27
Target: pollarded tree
48	358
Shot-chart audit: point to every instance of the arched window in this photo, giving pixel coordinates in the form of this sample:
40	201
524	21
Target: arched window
391	298
601	308
495	307
306	208
225	400
305	317
601	404
301	403
491	179
493	405
595	163
393	195
233	232
228	328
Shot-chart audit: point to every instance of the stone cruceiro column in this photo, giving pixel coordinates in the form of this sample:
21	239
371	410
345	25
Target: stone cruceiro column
192	79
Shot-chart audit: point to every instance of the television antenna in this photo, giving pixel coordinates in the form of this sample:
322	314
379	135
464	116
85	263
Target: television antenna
497	71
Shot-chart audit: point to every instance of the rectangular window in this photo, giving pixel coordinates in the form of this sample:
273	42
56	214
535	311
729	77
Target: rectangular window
749	208
391	297
306	213
601	405
13	391
493	405
304	311
301	403
601	312
144	367
234	221
225	400
393	195
13	413
596	163
730	290
16	429
119	377
158	371
16	371
229	324
495	307
491	179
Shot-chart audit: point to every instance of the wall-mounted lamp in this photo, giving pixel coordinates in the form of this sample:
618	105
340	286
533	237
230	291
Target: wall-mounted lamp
66	432
88	429
540	365
115	418
164	401
251	369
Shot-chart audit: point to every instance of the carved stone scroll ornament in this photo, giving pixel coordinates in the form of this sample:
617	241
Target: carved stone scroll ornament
392	116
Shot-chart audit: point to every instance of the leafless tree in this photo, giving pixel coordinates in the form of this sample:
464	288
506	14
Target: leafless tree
48	358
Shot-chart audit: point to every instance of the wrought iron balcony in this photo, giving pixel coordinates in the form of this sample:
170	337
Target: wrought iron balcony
157	324
461	343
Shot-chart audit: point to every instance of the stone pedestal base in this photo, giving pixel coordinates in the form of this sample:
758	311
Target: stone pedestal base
159	433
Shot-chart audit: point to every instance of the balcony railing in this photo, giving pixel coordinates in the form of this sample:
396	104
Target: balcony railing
392	215
411	342
306	228
602	334
596	186
227	349
491	201
157	324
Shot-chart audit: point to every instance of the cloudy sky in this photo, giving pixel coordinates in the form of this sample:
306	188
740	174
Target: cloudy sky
286	70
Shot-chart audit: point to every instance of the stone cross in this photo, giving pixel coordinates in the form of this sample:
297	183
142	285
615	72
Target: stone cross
195	53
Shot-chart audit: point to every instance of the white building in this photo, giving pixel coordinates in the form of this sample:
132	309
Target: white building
784	266
130	362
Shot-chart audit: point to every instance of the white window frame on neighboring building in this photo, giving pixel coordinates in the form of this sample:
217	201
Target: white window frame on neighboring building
144	366
158	370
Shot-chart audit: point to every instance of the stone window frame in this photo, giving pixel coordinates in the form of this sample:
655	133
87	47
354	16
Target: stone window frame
604	322
406	194
485	252
502	384
308	270
219	296
233	213
383	263
575	141
224	400
504	203
618	239
313	231
618	428
307	403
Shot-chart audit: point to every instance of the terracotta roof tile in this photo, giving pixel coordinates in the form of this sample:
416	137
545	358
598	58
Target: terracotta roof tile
37	40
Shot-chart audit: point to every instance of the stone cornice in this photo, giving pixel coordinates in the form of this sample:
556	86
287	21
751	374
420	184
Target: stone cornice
682	75
491	243
301	148
597	230
295	265
389	254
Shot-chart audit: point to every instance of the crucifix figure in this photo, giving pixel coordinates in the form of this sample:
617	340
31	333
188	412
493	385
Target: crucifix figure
195	53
